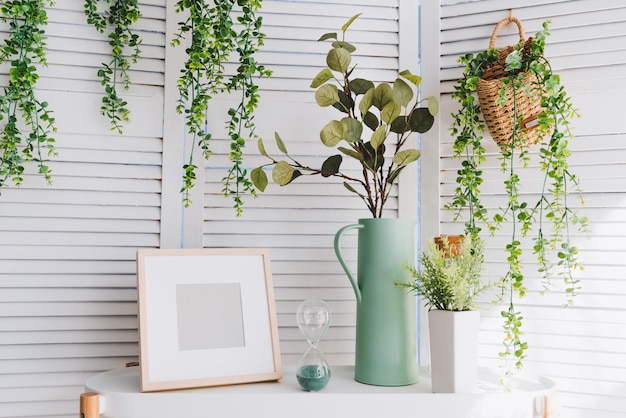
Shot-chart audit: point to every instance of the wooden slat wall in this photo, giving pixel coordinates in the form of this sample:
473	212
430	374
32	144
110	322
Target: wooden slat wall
583	348
67	251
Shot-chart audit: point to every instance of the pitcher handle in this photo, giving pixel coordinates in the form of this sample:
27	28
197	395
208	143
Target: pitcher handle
342	261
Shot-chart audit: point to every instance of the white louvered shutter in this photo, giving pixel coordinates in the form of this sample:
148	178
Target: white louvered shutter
67	251
67	259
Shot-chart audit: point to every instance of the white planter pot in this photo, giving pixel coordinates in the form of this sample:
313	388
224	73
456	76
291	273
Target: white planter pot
454	350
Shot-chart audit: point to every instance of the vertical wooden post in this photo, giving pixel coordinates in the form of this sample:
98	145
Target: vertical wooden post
89	405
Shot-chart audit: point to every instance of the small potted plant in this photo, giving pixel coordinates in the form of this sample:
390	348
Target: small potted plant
449	280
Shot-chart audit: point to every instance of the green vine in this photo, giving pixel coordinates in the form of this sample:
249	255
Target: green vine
215	33
548	220
28	122
119	17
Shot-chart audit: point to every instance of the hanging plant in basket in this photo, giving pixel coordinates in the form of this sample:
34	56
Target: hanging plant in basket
25	120
526	109
118	18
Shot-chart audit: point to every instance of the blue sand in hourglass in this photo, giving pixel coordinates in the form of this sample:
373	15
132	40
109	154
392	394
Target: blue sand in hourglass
313	372
313	378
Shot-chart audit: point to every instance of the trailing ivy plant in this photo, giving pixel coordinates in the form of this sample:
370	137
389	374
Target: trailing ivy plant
549	219
118	19
27	123
217	29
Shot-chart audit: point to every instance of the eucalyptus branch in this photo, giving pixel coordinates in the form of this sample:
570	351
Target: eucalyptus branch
363	105
23	49
117	19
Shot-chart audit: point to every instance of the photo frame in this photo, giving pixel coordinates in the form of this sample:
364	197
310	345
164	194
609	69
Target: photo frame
207	317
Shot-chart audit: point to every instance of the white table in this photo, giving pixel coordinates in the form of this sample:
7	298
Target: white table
120	397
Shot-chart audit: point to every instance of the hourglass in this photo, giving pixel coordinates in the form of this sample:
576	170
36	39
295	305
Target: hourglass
313	318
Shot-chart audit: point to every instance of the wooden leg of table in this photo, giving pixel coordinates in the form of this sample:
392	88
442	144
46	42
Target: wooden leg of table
89	405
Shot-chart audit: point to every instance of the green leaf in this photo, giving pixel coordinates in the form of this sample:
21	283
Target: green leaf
279	143
379	136
329	35
351	153
373	158
390	112
349	22
382	96
331	165
352	189
415	79
361	85
394	174
322	77
262	148
406	157
327	95
398	125
344	103
332	133
402	92
433	105
370	120
282	173
338	59
259	178
345	45
352	129
366	101
421	120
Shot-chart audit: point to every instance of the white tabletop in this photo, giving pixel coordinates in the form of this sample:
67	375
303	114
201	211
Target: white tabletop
343	397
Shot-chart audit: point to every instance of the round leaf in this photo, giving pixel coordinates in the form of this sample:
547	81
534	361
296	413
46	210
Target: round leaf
331	165
415	79
352	129
259	178
382	96
433	105
327	95
390	112
322	77
338	59
370	120
282	173
345	45
360	85
379	136
399	125
332	133
421	120
366	101
344	103
402	92
405	157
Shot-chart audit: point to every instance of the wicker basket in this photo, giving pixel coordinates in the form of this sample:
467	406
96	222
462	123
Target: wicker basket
500	119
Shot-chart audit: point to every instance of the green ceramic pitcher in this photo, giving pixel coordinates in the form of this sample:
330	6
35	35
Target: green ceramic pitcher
386	327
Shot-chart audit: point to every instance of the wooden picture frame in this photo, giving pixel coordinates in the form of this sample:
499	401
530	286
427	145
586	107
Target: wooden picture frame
207	317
